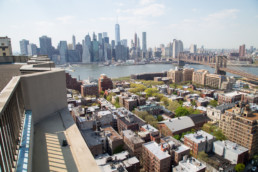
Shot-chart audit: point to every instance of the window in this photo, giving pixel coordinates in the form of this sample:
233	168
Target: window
4	54
3	48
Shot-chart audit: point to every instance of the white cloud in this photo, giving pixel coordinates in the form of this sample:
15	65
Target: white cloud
44	23
153	10
229	13
145	2
65	19
107	18
194	10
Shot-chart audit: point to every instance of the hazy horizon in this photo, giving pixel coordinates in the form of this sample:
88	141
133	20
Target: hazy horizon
213	24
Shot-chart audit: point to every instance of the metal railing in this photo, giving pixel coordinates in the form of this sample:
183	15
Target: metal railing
11	119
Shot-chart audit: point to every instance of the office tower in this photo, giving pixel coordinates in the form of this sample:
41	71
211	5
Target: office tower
45	46
73	56
100	38
242	50
95	48
106	40
79	48
70	46
86	57
94	37
5	46
113	44
135	40
32	49
105	34
251	49
117	34
23	46
138	43
87	40
124	42
193	48
177	48
63	51
74	42
144	43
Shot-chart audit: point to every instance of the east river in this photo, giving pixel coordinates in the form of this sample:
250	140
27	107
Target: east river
93	70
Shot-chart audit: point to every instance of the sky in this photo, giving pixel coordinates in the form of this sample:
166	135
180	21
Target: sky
215	24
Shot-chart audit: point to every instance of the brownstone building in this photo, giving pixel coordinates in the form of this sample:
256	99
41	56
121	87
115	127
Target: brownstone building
105	83
89	89
133	143
154	158
180	75
240	125
129	122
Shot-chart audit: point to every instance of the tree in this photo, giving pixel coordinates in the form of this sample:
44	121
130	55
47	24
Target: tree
178	137
181	111
173	105
160	118
213	103
165	101
150	91
240	167
193	103
219	135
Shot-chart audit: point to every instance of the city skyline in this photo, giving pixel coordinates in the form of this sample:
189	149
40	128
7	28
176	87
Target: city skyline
203	23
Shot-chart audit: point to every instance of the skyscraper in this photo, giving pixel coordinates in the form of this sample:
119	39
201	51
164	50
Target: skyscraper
193	48
45	46
242	50
124	42
32	49
23	46
135	40
105	34
144	43
100	38
74	42
117	34
177	47
63	51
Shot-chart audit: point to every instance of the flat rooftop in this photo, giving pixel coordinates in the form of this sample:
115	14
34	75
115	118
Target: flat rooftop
7	71
226	144
132	136
156	150
199	136
48	152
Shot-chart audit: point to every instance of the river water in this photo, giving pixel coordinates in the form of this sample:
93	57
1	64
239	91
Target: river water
93	70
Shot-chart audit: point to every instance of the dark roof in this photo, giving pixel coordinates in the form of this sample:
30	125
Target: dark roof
136	120
199	118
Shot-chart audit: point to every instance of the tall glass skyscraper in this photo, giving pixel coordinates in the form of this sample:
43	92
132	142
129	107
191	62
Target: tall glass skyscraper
74	42
144	43
23	46
117	34
45	46
63	51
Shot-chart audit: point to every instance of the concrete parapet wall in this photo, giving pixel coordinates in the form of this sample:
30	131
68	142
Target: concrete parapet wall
13	59
44	93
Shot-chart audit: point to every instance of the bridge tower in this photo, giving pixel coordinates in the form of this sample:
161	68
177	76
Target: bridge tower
181	63
221	62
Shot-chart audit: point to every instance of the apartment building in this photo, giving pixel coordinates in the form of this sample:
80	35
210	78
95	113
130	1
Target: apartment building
199	141
104	83
154	158
240	125
133	143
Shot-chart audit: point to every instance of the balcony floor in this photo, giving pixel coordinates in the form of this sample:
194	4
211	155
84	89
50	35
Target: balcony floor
48	153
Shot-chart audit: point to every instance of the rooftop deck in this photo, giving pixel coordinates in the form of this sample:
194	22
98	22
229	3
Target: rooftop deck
48	152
